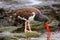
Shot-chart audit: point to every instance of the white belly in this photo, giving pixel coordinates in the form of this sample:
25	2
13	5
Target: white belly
31	18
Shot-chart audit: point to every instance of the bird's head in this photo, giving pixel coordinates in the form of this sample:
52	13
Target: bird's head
40	17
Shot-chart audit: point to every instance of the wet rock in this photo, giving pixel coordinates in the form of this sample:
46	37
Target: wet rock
54	23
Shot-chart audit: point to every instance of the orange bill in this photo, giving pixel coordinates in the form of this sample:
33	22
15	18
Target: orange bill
47	26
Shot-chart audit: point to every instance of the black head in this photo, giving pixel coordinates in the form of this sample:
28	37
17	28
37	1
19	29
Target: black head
40	17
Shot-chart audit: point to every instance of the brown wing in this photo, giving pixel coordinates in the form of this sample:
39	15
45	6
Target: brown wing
26	12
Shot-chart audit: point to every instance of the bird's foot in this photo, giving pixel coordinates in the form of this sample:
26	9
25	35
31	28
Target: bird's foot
30	31
27	31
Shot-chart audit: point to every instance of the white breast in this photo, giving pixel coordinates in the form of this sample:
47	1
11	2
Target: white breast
31	18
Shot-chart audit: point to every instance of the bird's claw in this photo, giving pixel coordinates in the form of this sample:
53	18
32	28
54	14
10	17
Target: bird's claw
27	31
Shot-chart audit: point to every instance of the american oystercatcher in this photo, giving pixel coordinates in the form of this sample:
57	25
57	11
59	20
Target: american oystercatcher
28	14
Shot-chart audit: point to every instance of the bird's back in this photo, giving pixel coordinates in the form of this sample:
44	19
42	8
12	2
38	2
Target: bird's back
26	11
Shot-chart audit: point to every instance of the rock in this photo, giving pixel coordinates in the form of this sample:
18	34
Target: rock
32	34
54	23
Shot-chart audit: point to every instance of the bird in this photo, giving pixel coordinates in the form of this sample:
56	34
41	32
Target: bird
28	14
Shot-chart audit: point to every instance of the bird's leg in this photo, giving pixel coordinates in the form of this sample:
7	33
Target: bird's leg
29	26
25	26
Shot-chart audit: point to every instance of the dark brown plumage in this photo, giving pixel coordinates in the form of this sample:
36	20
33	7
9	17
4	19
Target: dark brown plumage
25	12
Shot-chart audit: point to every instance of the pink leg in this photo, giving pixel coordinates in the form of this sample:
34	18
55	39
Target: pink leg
25	26
29	26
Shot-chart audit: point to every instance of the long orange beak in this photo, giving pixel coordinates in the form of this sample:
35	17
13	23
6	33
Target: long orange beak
47	26
48	30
